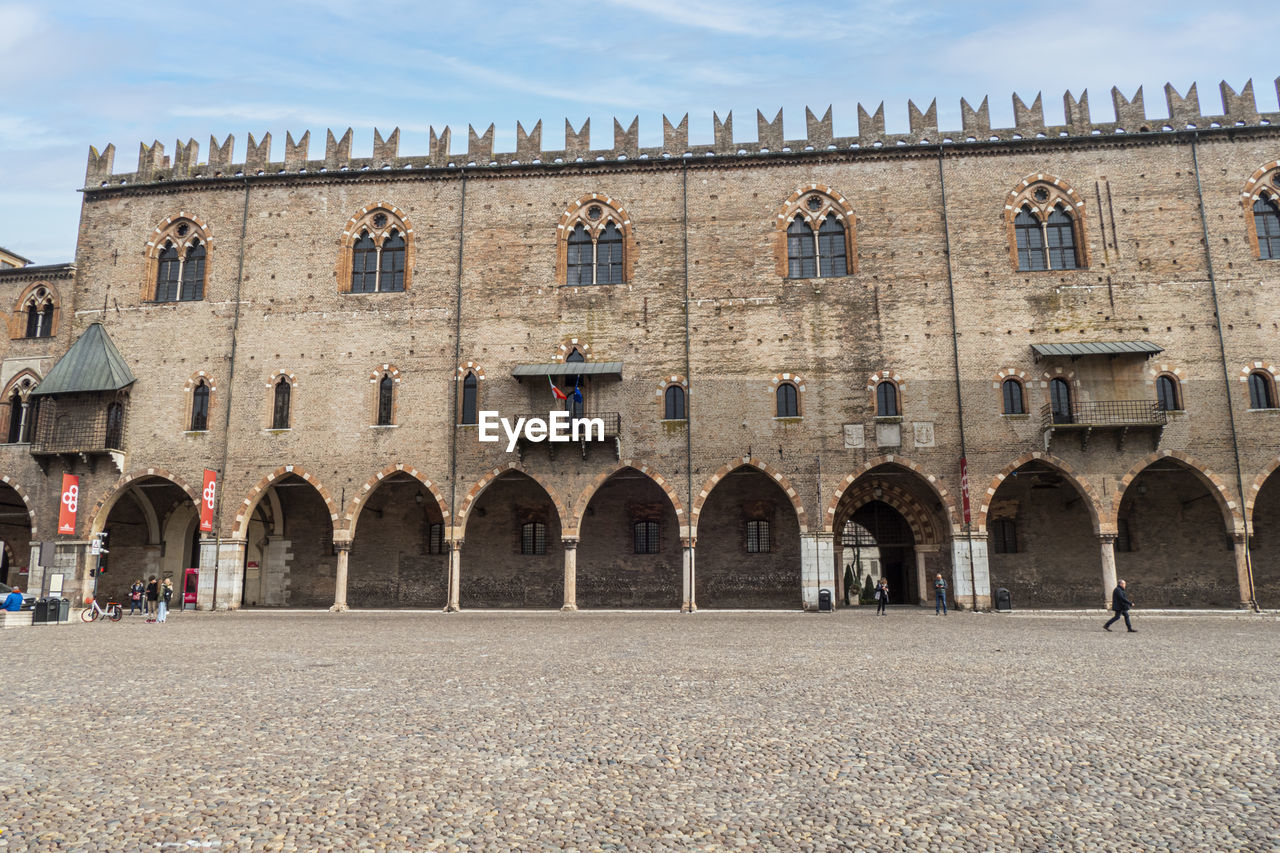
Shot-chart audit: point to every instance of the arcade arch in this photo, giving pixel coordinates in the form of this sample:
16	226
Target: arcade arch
512	553
289	556
399	553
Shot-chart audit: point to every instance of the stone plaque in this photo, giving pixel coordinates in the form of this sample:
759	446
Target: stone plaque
889	435
923	433
853	436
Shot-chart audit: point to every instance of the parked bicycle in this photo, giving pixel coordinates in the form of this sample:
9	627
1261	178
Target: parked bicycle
112	611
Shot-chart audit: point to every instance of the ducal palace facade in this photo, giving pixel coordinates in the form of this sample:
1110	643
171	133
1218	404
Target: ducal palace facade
1033	359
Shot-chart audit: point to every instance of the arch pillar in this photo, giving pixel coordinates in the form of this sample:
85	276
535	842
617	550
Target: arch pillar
343	547
1107	541
970	572
570	573
221	581
817	567
1244	571
455	576
687	548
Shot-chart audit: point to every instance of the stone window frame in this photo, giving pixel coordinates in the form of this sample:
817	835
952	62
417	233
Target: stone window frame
1059	193
1012	374
578	213
375	381
292	381
1176	376
533	551
41	294
188	398
22	384
873	386
1264	183
675	380
796	381
1268	372
167	232
830	202
767	528
470	368
363	221
1069	376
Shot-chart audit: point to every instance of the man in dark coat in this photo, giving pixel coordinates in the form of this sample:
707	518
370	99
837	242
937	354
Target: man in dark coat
1120	603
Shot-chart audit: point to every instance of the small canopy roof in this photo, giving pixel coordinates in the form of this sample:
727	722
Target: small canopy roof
92	364
571	368
1142	348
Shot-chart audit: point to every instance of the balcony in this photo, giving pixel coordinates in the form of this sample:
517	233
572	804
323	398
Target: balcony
1120	416
589	434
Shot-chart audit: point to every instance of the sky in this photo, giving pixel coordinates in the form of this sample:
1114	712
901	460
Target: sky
79	74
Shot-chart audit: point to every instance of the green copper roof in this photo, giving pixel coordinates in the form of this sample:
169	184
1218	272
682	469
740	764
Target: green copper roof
92	364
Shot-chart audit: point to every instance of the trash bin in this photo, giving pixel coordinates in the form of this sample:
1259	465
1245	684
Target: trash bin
40	615
64	610
824	601
1003	603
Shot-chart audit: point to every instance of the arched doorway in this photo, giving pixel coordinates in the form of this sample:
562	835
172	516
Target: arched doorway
891	524
891	541
151	526
1174	548
629	552
1264	544
748	552
15	535
512	552
289	557
1042	544
399	556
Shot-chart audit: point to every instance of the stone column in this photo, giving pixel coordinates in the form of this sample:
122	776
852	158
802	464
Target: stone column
570	574
340	582
1243	571
924	591
1108	543
35	572
455	576
688	604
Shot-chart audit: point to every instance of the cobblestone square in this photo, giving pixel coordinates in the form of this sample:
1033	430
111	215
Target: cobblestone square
402	731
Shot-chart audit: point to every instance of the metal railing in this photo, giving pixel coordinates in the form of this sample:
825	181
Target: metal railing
612	423
1105	413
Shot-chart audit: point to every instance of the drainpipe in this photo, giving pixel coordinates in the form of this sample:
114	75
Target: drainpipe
226	418
955	353
453	415
688	378
1226	374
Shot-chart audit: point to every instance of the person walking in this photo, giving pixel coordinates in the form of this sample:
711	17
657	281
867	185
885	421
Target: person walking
153	593
162	604
939	595
1120	603
135	597
882	596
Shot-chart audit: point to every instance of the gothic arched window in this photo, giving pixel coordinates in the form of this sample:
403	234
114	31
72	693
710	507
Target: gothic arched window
280	405
887	400
386	396
200	407
1266	221
674	409
788	401
1013	402
470	387
595	242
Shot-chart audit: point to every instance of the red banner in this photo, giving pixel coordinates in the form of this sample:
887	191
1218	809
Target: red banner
70	502
964	487
207	496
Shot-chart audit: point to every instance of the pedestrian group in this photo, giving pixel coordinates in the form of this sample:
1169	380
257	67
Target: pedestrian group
151	600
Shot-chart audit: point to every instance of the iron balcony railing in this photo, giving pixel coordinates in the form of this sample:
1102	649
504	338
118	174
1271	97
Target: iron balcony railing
78	425
1105	413
612	424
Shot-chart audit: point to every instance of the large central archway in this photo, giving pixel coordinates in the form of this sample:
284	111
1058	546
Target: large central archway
152	526
891	524
16	534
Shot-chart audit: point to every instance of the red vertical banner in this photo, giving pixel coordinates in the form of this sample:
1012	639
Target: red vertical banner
964	487
70	502
208	494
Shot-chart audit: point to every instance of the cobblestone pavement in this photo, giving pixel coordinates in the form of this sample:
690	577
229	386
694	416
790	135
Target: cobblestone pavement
616	731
